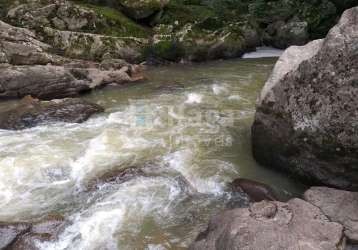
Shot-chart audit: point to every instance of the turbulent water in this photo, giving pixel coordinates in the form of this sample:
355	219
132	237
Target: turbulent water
188	129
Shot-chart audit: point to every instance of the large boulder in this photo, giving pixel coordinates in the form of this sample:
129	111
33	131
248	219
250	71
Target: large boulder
339	206
31	112
306	118
49	82
271	225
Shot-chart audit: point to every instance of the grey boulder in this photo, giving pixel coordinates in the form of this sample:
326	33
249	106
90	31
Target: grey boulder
31	113
339	206
49	82
306	121
271	225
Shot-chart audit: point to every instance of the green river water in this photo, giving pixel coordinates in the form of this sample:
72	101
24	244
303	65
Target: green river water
187	127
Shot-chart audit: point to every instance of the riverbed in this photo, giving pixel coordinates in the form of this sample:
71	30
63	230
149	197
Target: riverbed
187	128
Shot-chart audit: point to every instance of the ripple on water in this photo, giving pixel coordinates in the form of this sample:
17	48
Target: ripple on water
190	141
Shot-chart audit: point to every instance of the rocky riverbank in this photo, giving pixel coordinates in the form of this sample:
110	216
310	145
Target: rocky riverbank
326	219
305	124
157	30
71	47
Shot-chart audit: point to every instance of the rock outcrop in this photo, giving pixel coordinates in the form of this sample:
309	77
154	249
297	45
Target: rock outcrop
20	46
50	82
156	30
116	176
31	112
79	31
339	206
296	224
31	67
306	118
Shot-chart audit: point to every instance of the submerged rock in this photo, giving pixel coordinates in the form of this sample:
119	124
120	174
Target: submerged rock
255	190
306	118
32	112
9	233
24	235
271	225
339	206
116	176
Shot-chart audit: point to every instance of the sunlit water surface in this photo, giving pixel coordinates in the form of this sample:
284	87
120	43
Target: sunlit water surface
188	128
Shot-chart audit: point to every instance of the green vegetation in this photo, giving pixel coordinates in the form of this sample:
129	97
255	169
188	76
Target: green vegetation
113	23
194	29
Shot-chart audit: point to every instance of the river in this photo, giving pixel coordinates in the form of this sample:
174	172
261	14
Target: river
187	128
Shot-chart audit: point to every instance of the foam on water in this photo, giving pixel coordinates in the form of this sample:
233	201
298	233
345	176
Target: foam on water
178	138
210	181
262	52
194	98
220	89
120	213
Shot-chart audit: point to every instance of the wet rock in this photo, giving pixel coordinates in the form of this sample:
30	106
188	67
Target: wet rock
339	206
46	229
49	227
48	82
116	176
9	233
32	112
255	190
271	225
306	119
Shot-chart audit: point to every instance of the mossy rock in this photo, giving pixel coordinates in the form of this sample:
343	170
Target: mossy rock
320	15
193	43
170	50
180	15
114	23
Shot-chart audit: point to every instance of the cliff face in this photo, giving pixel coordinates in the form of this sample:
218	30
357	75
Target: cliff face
172	30
306	119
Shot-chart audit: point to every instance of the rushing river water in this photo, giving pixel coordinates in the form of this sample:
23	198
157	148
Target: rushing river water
188	128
